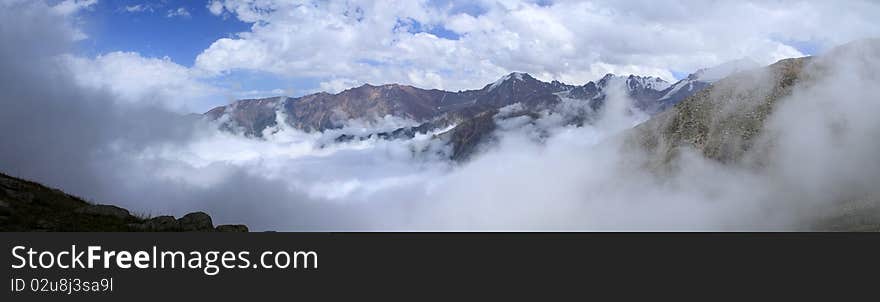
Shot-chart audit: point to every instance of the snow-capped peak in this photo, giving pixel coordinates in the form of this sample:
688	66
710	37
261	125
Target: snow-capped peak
517	76
654	83
635	82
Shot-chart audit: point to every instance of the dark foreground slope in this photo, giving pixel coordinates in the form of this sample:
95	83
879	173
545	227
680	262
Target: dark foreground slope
29	206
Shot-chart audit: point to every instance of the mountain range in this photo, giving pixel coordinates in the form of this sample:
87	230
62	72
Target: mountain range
470	113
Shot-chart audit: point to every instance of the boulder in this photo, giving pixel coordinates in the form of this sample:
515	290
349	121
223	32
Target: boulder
104	210
162	224
237	228
197	221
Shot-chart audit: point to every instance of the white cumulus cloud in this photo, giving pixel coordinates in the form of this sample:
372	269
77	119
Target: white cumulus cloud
137	79
572	41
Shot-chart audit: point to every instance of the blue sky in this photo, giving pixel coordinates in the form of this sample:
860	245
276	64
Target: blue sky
152	32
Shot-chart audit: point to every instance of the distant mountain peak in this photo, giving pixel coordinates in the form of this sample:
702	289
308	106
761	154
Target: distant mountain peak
649	82
634	82
513	76
518	75
607	77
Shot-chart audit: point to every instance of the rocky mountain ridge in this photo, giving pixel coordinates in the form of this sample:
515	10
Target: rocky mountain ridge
323	111
466	111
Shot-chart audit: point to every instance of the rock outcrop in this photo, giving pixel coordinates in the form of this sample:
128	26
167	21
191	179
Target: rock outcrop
162	224
198	221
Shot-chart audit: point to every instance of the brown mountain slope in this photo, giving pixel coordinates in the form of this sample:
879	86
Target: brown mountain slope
723	121
728	123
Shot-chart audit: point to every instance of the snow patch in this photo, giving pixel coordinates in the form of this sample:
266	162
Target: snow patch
677	86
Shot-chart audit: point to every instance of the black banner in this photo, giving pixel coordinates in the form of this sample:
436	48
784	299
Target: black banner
423	265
